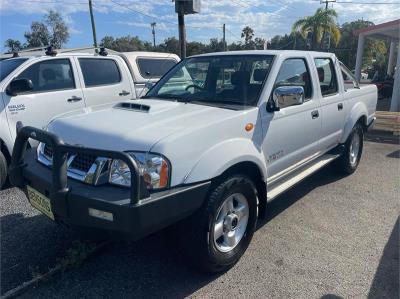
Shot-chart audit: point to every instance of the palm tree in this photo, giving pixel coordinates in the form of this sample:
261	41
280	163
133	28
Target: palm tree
324	20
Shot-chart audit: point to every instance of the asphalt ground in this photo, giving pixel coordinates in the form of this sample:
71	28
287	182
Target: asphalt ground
329	237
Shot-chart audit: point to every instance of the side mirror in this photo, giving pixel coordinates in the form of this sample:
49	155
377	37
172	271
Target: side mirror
17	86
285	96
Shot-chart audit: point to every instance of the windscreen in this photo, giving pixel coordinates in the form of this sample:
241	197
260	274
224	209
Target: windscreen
8	65
225	79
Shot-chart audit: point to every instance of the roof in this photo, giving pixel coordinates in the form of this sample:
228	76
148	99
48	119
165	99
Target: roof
260	52
148	53
385	30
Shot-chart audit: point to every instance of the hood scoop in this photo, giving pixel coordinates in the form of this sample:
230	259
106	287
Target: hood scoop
133	107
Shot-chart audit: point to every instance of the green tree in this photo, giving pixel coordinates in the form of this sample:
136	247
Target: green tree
248	34
59	34
52	31
322	21
13	45
39	35
125	43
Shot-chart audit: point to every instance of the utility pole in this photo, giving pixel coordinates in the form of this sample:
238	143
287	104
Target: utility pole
182	34
183	7
153	31
328	44
223	37
93	25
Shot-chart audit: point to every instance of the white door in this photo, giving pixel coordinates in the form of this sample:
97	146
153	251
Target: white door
55	91
332	103
292	134
104	80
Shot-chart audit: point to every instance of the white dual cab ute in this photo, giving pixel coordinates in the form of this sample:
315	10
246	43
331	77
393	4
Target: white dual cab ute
35	88
212	142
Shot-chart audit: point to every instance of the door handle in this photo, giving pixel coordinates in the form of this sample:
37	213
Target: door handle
74	99
340	106
124	93
314	114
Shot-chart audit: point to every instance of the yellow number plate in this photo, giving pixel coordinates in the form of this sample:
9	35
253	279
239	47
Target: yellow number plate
40	202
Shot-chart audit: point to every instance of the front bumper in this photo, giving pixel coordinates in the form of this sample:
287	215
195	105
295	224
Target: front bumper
135	212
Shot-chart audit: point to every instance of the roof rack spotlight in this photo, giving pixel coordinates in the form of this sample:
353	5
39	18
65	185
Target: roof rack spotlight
50	51
103	51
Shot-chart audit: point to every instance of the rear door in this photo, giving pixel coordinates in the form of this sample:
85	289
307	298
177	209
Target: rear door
55	91
332	102
104	80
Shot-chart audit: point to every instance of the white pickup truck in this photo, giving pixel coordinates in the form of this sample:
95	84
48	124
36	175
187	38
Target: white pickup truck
239	130
36	88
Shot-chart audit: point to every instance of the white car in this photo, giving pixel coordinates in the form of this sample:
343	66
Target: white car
36	88
212	150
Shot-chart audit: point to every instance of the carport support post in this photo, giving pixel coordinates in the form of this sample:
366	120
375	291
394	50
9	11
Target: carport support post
391	58
395	102
360	52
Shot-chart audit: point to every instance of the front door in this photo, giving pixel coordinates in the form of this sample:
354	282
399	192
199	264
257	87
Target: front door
55	91
292	134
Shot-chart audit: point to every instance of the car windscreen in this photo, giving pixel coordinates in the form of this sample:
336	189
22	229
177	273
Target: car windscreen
218	80
154	67
8	65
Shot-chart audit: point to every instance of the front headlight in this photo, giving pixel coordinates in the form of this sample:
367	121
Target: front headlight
154	168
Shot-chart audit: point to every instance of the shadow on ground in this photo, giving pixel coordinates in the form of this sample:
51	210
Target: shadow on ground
29	245
386	280
154	267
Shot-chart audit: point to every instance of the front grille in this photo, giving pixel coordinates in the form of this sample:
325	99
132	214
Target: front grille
48	151
83	162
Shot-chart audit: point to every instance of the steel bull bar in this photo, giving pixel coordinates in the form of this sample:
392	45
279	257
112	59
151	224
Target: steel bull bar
59	187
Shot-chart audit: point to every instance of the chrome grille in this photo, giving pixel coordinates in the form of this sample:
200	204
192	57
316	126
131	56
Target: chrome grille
48	151
83	162
83	167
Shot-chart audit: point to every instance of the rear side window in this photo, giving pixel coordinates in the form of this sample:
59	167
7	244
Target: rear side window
294	72
154	67
99	71
349	81
326	76
50	75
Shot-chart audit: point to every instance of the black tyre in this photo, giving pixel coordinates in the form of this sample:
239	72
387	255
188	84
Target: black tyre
220	232
351	156
3	170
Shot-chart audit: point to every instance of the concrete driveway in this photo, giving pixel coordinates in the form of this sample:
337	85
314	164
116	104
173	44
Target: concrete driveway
329	237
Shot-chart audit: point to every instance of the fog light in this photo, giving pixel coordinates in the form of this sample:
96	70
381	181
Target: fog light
101	214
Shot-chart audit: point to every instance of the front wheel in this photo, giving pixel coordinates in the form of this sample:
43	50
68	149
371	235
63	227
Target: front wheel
221	231
350	159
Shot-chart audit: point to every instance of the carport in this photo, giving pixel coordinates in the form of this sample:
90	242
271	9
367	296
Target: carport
387	31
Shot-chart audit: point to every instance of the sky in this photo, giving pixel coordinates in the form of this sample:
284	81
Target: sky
122	17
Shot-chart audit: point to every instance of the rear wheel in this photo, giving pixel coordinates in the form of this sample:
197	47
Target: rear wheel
221	231
350	159
3	170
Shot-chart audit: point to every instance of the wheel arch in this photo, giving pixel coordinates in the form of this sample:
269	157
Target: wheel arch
253	171
358	113
4	150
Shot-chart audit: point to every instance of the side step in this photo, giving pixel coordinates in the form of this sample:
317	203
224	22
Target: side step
284	184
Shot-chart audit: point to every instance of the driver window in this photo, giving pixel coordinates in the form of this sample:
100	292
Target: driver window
294	72
50	75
